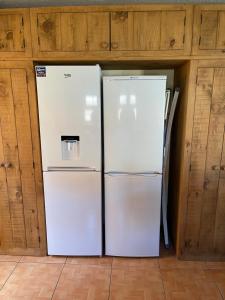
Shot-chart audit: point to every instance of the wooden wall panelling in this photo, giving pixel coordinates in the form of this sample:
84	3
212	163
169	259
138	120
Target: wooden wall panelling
209	30
15	36
201	120
23	214
185	78
200	228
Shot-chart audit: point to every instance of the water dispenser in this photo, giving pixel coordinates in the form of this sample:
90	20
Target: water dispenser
70	147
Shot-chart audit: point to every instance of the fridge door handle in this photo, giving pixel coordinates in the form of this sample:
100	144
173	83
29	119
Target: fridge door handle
144	174
72	169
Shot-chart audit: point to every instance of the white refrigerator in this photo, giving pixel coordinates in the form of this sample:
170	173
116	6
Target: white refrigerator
70	127
133	144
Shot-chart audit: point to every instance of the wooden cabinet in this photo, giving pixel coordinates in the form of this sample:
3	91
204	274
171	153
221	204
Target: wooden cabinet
62	33
158	29
21	201
15	37
209	30
201	224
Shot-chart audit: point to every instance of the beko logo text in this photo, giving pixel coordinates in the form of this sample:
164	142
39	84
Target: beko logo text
67	75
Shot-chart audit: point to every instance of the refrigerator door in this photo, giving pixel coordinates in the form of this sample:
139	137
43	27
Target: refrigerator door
73	213
134	123
132	210
69	113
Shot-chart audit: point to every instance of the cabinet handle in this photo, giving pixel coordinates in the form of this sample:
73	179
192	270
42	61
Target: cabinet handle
104	45
2	165
114	45
222	168
7	165
223	50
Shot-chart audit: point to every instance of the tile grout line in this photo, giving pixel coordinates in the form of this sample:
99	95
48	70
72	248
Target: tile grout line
64	264
17	262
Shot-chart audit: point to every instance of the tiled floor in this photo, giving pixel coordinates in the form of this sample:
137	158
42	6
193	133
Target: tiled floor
61	278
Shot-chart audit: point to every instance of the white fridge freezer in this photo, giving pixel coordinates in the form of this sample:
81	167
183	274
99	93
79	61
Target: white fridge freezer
69	106
133	142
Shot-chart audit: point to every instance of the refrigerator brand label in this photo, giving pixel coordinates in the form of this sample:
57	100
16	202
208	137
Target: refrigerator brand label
41	71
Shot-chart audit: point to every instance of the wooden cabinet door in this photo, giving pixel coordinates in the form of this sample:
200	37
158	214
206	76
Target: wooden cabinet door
15	34
63	33
209	30
21	201
166	30
205	217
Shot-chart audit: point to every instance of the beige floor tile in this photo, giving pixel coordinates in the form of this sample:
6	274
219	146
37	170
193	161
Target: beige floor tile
138	263
189	284
130	283
217	276
6	269
32	281
10	258
44	259
83	282
97	261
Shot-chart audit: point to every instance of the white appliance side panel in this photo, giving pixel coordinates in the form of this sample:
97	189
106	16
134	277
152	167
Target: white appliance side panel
73	213
134	124
132	215
69	105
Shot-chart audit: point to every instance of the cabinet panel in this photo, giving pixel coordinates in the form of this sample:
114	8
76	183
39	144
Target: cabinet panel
167	31
204	224
49	34
147	30
63	33
98	31
15	33
172	30
19	220
122	30
74	28
209	30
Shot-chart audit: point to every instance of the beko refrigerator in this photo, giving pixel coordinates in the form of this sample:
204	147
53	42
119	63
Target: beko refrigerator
133	143
70	129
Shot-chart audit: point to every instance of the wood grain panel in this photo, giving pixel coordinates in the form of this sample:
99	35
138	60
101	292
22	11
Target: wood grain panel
172	30
23	128
219	236
98	31
209	20
6	239
198	156
147	30
11	33
74	30
49	34
10	148
121	31
220	43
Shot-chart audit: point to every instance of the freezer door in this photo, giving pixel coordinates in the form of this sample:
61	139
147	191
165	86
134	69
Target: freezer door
132	215
134	123
69	114
73	213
